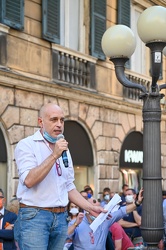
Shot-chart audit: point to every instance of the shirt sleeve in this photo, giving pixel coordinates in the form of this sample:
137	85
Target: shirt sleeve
25	159
117	215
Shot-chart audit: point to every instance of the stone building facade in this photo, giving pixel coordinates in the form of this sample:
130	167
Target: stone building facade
35	71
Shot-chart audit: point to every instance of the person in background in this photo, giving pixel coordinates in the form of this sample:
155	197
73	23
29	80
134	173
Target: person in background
124	188
84	194
7	220
46	184
162	243
87	186
120	238
81	233
89	191
164	198
131	222
107	195
73	211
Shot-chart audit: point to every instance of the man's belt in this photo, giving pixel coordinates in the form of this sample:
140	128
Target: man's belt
50	209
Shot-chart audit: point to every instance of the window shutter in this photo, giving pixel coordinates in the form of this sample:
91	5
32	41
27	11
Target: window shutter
12	13
98	27
51	20
124	12
124	17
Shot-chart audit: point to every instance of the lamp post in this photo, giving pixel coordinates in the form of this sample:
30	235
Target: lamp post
118	43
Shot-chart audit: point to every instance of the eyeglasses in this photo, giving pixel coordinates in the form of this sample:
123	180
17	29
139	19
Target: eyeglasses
58	168
1	197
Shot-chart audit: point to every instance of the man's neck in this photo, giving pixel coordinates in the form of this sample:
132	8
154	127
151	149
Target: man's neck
88	218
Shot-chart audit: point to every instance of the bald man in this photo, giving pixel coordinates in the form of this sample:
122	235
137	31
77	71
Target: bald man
45	185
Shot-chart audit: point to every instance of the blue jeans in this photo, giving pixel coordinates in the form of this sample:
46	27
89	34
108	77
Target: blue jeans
40	229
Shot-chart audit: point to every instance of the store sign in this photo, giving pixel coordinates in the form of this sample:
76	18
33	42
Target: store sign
131	155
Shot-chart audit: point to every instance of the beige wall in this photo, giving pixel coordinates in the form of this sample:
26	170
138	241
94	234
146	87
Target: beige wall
26	84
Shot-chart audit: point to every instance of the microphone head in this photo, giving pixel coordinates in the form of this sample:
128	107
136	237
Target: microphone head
60	136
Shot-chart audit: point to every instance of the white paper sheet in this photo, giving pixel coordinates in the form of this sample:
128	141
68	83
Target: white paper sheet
111	207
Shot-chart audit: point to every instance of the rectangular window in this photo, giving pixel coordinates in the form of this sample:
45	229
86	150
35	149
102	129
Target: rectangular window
51	20
12	13
138	59
123	17
63	23
124	12
98	27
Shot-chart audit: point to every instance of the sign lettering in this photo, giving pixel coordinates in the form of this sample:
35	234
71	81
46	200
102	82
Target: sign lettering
133	156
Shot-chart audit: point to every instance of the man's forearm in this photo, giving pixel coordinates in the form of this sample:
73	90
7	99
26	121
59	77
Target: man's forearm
127	224
118	244
37	174
79	200
137	217
71	229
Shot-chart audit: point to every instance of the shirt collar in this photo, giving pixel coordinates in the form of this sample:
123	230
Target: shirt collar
2	211
38	136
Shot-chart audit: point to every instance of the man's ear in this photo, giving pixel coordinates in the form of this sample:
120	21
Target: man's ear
40	122
4	201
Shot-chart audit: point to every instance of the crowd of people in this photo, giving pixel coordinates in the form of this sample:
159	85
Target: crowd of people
120	231
49	213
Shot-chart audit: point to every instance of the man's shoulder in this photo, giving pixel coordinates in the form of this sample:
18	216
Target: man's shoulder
30	139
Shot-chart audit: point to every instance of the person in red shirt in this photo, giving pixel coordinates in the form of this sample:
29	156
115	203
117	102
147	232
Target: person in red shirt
120	238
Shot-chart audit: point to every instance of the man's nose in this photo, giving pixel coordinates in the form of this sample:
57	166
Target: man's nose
59	123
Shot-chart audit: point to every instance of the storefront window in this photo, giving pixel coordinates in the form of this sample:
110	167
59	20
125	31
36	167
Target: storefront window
131	161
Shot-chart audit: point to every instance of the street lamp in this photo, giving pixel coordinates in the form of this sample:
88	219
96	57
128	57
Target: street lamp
118	43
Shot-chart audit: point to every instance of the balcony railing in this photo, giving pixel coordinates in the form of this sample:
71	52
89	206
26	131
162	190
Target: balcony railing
79	70
134	94
73	69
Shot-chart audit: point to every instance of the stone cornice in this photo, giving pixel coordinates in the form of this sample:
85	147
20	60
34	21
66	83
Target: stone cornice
17	81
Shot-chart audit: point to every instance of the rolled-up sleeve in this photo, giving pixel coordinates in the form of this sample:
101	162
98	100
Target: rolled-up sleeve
117	215
25	159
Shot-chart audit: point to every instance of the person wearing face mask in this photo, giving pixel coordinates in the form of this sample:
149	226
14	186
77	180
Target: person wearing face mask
131	222
7	220
83	237
73	211
106	196
89	192
46	184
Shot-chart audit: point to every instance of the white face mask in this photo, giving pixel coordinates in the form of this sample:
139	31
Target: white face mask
74	211
107	197
129	198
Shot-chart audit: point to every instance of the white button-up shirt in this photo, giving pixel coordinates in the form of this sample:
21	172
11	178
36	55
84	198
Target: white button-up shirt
53	190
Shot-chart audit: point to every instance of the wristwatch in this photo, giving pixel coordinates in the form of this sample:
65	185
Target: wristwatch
75	224
137	204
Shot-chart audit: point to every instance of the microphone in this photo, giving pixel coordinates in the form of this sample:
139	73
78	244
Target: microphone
64	154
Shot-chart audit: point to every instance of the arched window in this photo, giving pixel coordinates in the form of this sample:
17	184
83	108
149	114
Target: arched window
131	161
3	163
81	152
